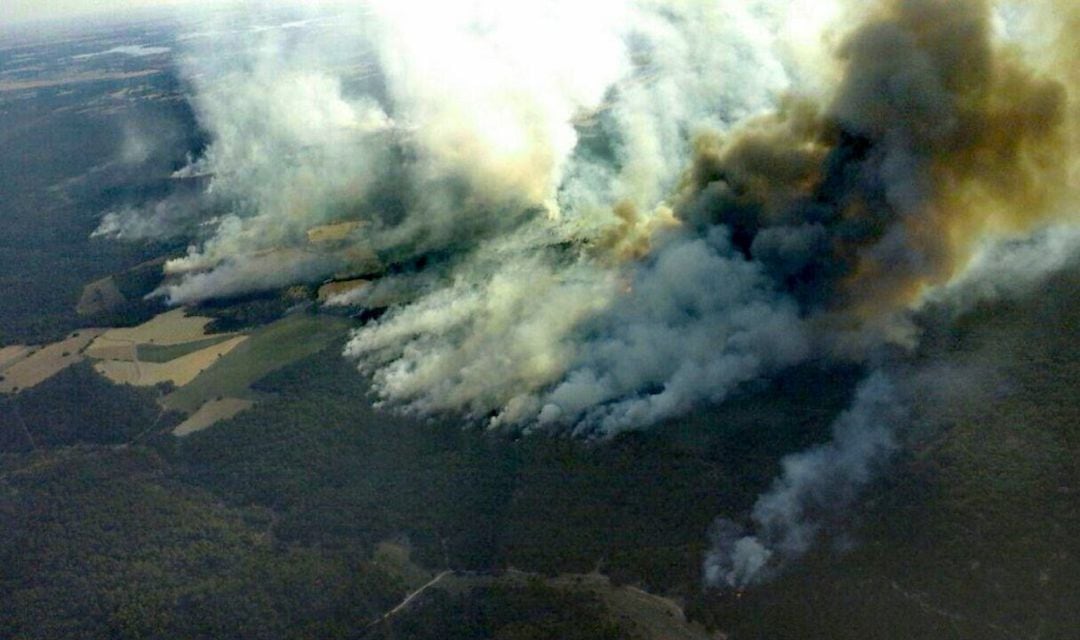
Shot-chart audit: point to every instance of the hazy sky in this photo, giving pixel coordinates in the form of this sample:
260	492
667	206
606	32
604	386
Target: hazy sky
12	11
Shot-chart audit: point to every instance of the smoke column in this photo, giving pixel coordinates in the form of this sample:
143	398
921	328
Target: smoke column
814	488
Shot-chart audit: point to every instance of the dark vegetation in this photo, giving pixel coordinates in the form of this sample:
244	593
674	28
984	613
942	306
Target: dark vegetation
78	406
246	312
531	612
190	537
971	538
66	170
104	544
975	535
339	472
135	285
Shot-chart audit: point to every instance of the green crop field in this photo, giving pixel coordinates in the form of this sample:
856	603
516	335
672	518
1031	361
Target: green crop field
166	353
268	349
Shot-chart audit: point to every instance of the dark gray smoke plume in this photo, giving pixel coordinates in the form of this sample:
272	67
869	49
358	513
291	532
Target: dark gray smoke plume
934	137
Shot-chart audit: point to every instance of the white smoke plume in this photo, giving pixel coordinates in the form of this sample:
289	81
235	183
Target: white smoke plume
523	154
576	347
597	217
814	487
177	215
594	217
1010	268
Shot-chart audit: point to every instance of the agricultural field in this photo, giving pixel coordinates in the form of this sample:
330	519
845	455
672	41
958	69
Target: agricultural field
210	413
11	354
179	370
28	367
209	375
266	350
167	329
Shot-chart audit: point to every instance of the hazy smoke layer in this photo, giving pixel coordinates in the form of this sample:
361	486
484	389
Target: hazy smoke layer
814	488
597	216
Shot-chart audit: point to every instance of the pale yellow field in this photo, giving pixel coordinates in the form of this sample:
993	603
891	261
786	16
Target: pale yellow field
332	232
10	355
210	413
171	327
46	362
179	371
331	289
22	85
105	348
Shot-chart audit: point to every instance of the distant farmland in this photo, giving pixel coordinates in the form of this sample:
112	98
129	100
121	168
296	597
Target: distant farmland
265	351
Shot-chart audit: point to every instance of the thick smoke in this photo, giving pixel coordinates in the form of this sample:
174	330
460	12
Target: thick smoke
507	182
814	489
594	217
1009	269
916	184
574	347
935	137
697	320
598	218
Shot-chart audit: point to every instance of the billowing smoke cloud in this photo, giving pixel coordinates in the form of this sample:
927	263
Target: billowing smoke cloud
934	137
935	141
571	346
1009	268
594	218
809	502
816	486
